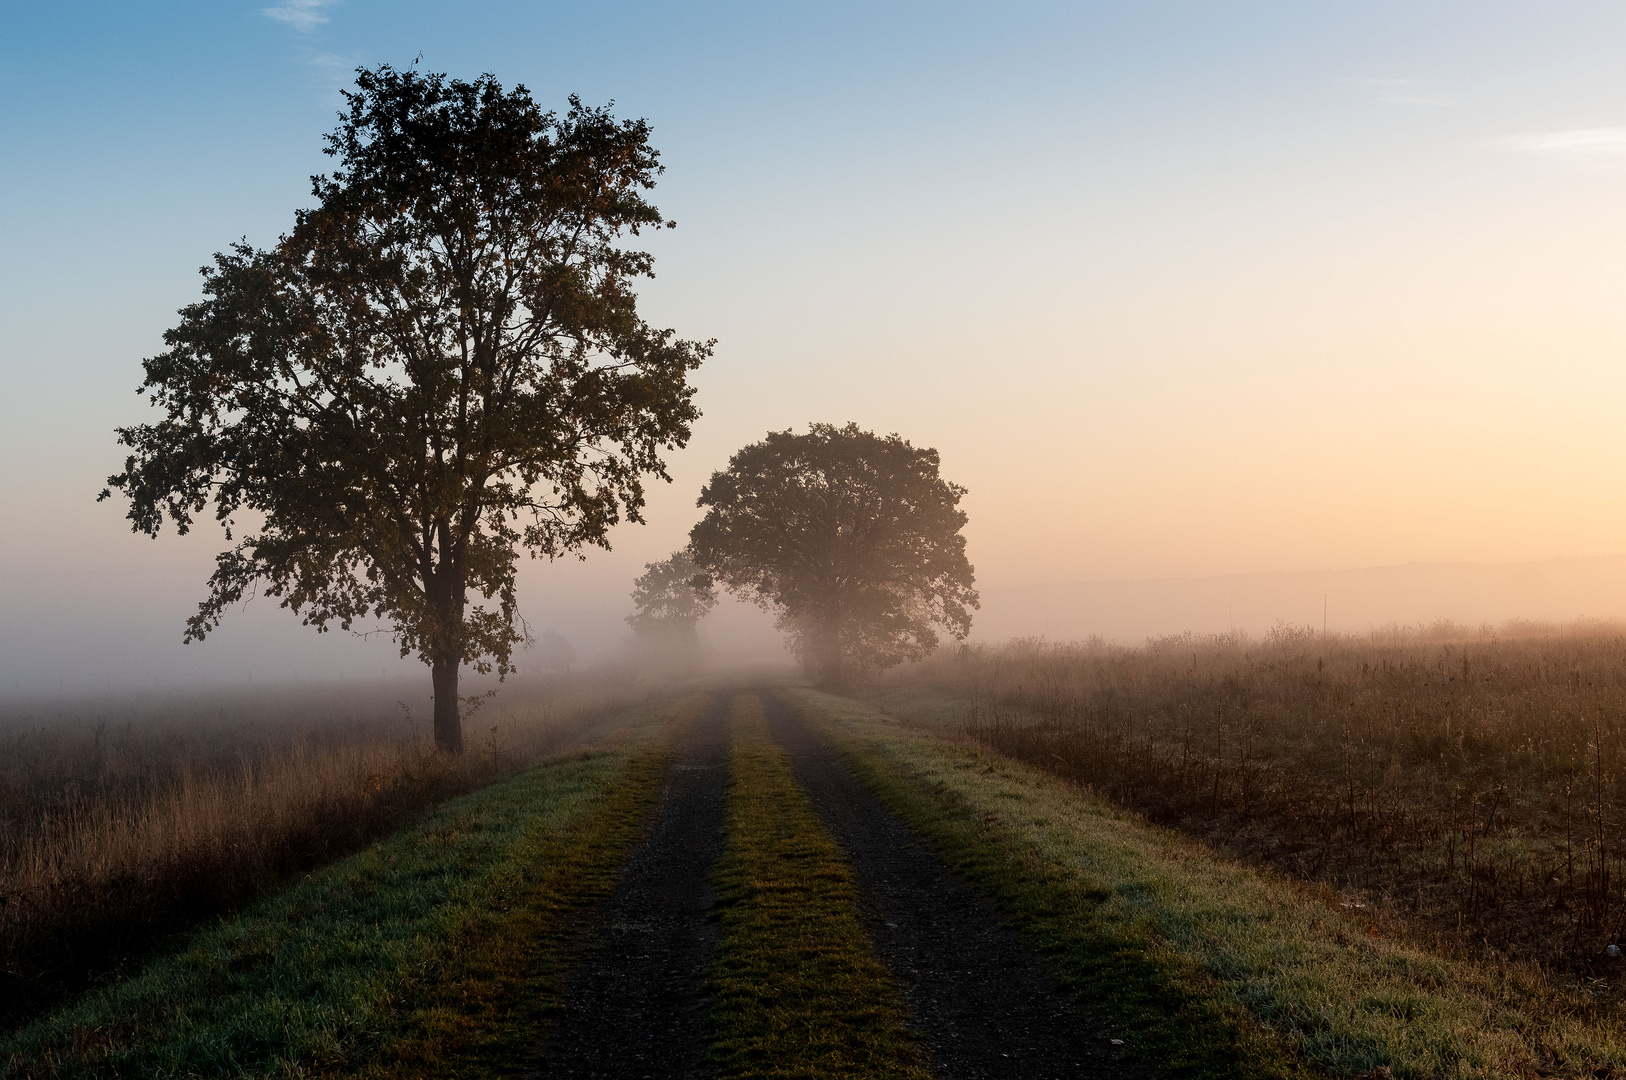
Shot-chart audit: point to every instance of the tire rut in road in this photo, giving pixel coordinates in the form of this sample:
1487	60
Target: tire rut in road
633	1005
984	1003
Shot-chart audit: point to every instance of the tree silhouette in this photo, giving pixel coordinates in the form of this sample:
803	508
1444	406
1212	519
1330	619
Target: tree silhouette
441	364
852	539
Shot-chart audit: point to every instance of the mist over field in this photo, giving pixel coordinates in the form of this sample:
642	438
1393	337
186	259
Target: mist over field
1352	601
262	646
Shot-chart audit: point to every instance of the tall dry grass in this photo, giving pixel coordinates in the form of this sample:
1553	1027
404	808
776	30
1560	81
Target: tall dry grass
1469	780
123	822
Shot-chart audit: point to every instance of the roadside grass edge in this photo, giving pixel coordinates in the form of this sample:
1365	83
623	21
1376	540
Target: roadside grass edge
436	951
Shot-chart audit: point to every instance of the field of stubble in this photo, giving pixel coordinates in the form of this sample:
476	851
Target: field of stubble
1466	783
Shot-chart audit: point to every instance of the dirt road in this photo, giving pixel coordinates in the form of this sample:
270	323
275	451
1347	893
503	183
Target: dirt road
633	1006
984	1002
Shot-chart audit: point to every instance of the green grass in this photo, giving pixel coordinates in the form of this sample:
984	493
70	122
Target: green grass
1211	967
435	952
795	985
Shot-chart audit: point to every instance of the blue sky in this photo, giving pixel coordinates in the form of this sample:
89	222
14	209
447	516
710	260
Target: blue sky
1177	288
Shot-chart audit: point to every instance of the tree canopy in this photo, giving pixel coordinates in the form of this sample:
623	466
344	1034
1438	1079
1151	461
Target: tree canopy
851	538
440	364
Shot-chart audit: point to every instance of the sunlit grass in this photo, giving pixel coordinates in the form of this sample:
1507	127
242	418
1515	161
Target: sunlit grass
796	988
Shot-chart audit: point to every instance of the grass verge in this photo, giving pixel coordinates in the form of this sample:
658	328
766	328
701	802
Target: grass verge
1464	781
1212	968
435	952
127	824
795	986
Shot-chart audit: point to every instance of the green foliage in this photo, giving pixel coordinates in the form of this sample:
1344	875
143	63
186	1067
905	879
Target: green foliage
796	989
852	538
440	364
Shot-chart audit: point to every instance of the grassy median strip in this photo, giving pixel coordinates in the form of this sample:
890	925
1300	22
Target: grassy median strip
796	988
1213	968
435	952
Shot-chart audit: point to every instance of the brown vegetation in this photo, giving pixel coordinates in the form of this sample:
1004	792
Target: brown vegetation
123	822
1469	780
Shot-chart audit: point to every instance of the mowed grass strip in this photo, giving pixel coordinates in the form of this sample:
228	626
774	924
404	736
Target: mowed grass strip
796	989
435	952
1213	968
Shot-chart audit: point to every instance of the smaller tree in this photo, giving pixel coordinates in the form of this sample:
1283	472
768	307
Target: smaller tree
670	598
852	539
555	653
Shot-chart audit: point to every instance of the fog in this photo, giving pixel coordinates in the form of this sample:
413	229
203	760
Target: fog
262	647
80	652
1261	314
1471	595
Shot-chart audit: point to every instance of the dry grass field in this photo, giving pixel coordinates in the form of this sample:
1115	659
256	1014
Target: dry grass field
1462	786
124	821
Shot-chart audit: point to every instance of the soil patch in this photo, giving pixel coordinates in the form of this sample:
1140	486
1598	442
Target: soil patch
984	1002
634	1005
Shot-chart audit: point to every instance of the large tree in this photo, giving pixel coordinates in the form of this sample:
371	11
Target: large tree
851	538
441	364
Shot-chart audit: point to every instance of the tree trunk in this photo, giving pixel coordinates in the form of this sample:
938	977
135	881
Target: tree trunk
829	654
448	724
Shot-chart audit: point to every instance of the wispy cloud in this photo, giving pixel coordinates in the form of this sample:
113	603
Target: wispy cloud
333	73
300	14
1395	91
1592	146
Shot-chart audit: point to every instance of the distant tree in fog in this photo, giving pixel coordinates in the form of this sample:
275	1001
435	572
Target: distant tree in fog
851	538
555	653
669	600
671	596
441	364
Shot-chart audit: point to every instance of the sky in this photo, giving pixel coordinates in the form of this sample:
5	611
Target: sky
1178	290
